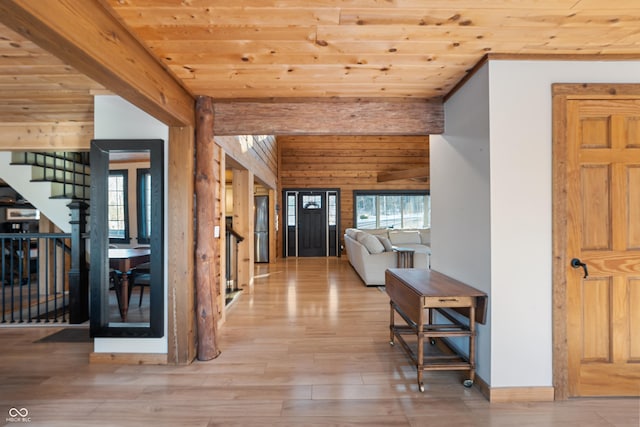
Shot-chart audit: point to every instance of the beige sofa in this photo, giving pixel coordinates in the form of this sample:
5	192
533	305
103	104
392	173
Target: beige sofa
370	252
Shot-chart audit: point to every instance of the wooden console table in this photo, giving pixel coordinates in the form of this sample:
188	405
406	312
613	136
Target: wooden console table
416	295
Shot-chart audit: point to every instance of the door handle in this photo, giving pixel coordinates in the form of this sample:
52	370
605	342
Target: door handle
576	263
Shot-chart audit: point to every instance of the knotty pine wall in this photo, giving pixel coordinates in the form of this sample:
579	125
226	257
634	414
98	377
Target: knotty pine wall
264	149
348	163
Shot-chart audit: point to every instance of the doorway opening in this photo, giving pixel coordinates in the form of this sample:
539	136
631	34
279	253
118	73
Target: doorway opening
311	222
596	240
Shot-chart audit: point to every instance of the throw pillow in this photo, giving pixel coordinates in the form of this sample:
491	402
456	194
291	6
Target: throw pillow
372	244
351	232
361	235
388	247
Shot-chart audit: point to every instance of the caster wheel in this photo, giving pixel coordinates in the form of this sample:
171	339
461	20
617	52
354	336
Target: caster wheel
421	388
467	383
391	343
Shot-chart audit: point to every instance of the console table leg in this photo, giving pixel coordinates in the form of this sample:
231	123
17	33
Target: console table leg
391	323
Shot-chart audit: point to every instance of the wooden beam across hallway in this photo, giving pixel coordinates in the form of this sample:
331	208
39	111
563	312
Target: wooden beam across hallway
306	344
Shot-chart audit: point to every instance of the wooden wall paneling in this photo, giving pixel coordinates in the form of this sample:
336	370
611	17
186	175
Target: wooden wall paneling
181	307
222	239
273	229
265	148
349	163
280	206
421	173
243	186
239	150
219	288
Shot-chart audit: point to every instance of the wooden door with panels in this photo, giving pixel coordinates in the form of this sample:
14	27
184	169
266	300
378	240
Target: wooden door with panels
598	194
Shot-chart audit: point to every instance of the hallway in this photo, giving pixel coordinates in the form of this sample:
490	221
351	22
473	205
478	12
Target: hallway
306	345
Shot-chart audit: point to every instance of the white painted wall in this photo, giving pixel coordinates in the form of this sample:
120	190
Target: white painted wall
520	200
521	147
116	118
460	210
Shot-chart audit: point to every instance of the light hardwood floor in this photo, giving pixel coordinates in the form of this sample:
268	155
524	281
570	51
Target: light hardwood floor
307	345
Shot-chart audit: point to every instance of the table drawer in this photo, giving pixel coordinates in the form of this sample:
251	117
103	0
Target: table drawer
448	301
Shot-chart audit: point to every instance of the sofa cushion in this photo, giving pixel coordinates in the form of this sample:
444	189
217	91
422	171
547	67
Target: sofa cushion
417	248
404	237
373	245
360	236
378	231
425	236
351	232
385	242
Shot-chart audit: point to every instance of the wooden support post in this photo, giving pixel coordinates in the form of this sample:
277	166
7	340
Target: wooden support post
273	202
205	264
222	242
181	298
79	273
243	224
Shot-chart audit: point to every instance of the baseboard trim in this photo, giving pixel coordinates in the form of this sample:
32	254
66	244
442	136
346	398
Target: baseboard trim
483	387
521	394
514	394
128	358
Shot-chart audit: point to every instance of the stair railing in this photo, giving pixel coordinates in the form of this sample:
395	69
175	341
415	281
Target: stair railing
71	170
34	277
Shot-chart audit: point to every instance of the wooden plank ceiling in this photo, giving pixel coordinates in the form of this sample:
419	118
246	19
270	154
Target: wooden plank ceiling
364	48
37	87
400	50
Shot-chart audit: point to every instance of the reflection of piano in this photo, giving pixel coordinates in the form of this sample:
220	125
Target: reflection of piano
123	260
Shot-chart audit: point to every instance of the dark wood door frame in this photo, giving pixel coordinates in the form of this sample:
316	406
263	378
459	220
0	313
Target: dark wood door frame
287	231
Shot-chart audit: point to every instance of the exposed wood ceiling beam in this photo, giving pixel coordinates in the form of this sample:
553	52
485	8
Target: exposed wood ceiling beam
87	37
327	117
416	174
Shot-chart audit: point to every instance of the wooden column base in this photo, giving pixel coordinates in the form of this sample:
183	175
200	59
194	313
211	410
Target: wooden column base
128	358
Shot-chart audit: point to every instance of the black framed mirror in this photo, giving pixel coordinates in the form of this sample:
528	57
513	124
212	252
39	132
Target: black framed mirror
127	278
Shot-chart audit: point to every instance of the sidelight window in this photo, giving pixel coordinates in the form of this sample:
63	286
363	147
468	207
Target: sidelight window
333	209
291	210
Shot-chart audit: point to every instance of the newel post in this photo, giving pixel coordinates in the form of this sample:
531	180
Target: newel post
78	273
